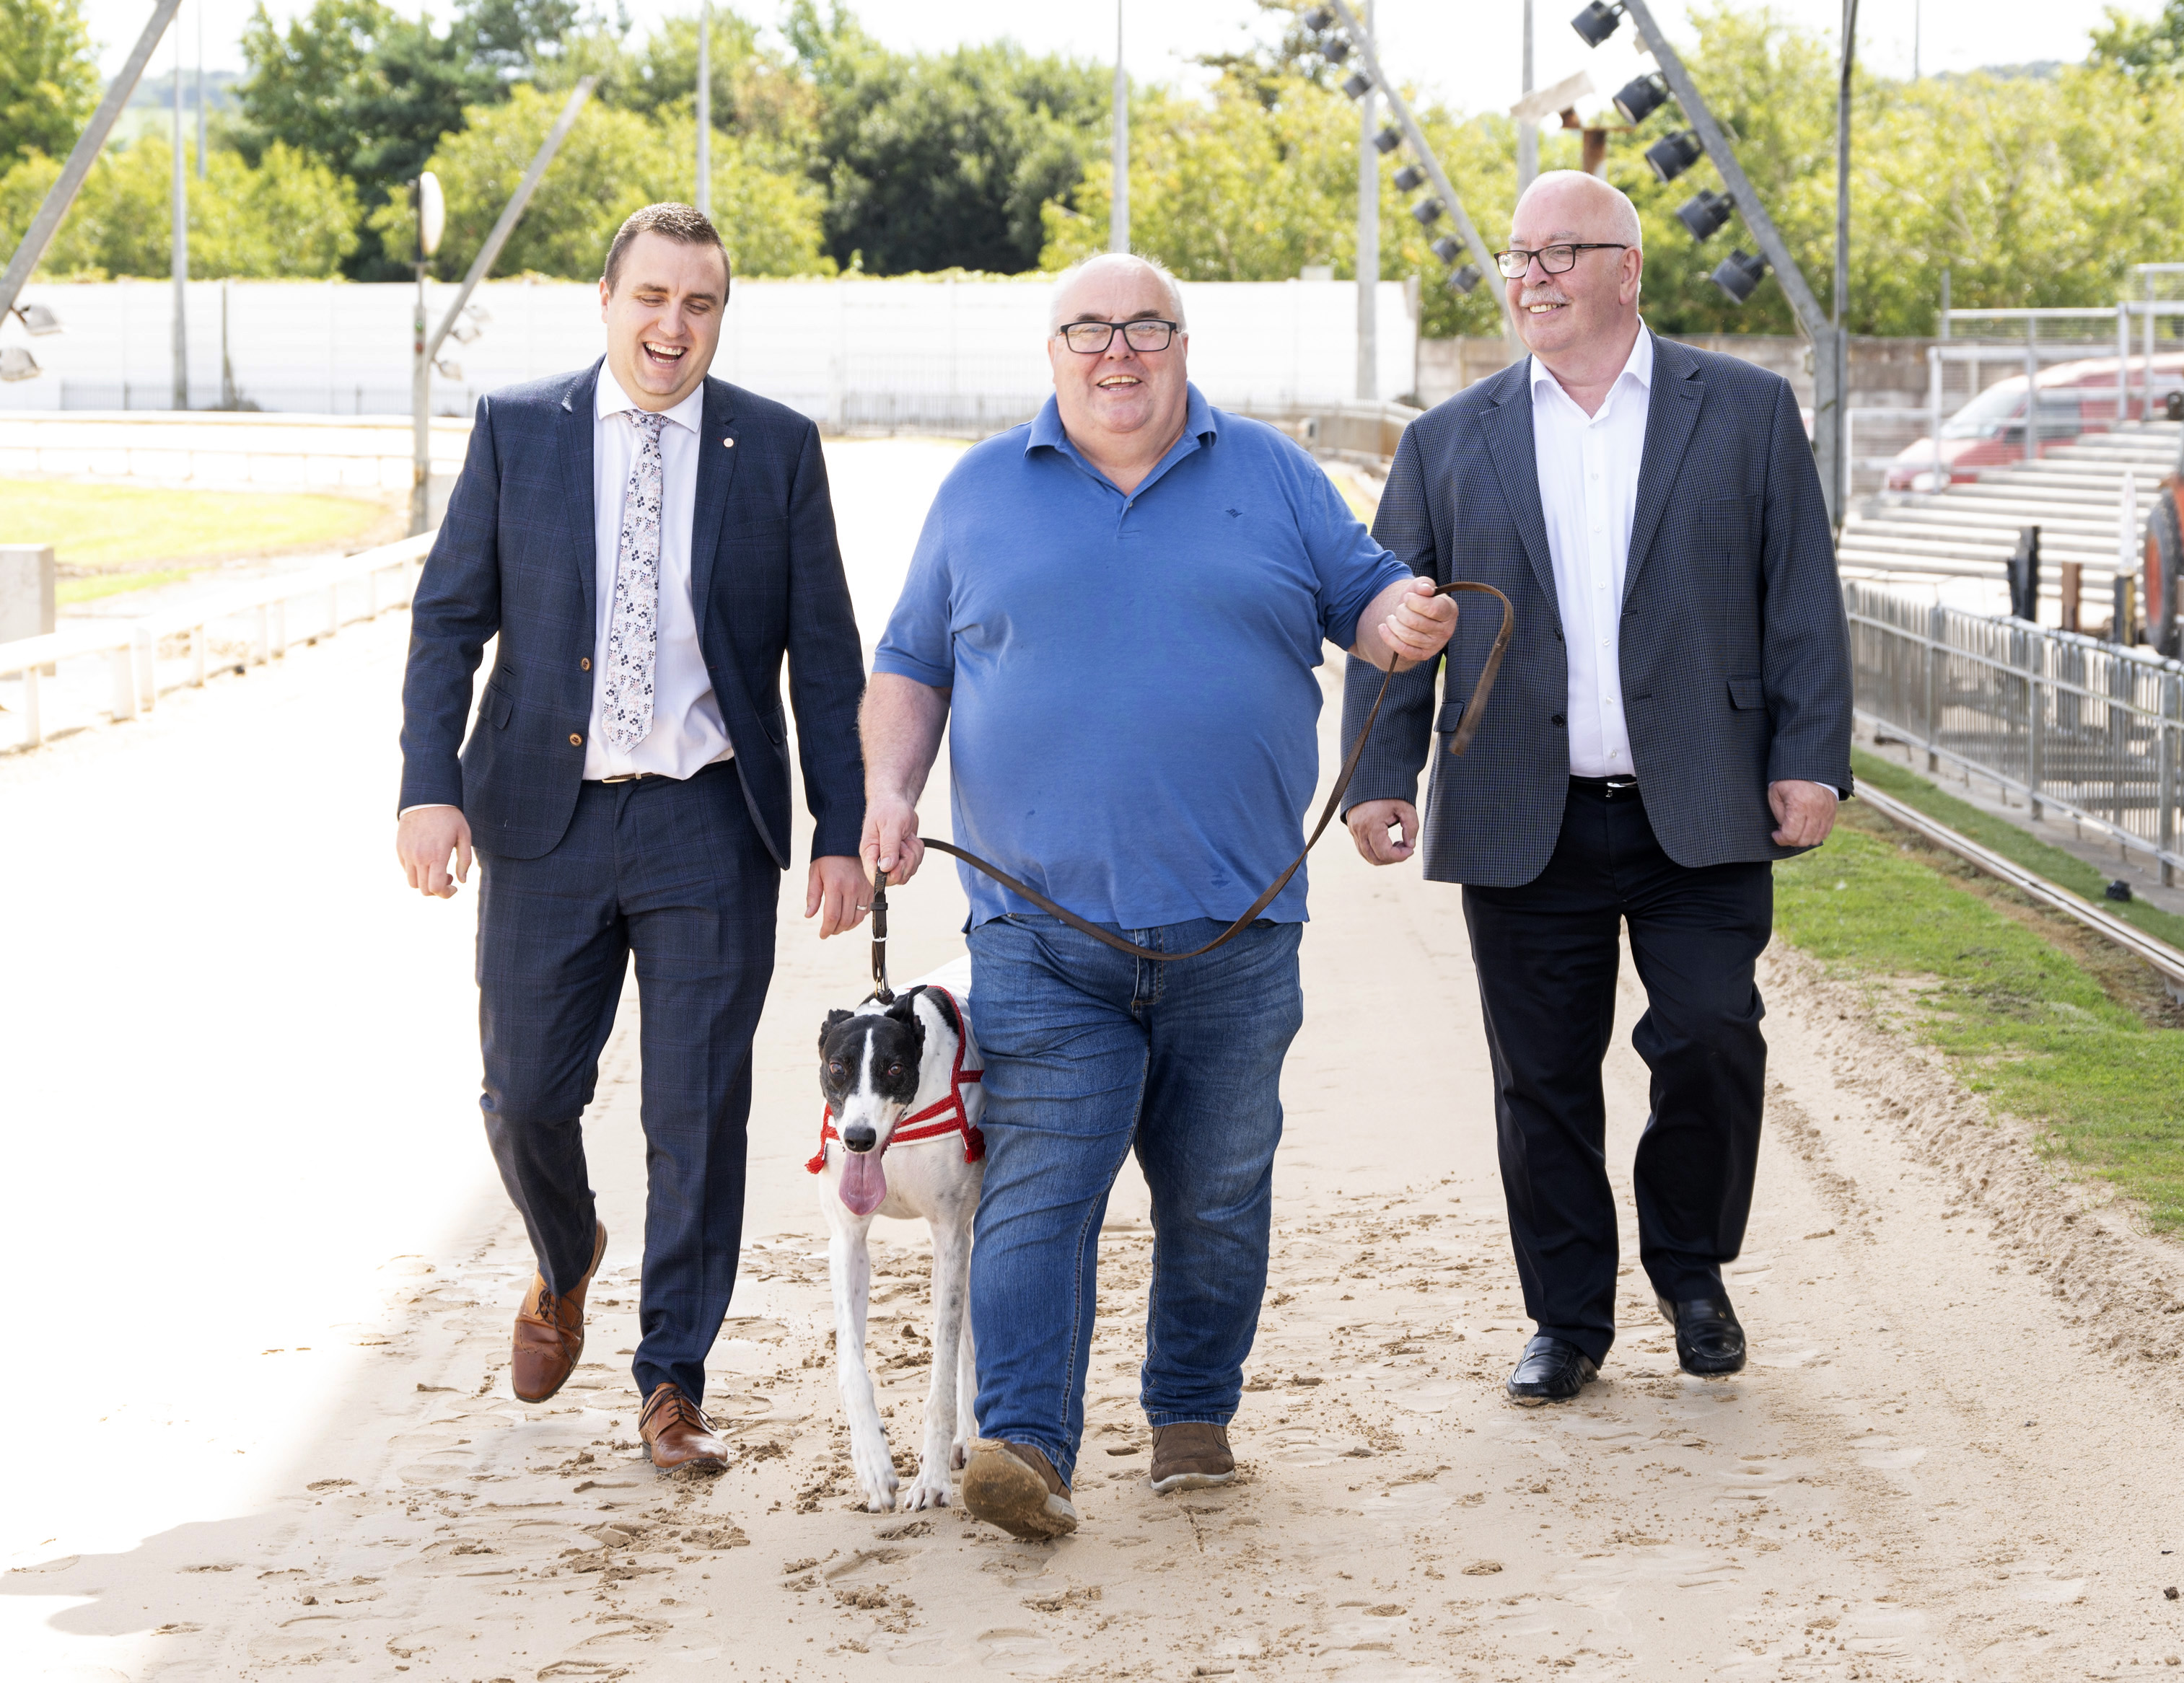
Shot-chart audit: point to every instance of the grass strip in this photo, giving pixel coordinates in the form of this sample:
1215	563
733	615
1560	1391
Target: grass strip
70	591
2050	1024
95	528
2019	846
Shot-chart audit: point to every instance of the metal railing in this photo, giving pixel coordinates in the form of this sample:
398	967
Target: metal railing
2081	729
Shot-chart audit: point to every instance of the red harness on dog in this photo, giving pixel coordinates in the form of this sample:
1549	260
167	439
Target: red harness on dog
937	1121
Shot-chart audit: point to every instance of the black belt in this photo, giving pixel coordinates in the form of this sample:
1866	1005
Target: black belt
1610	787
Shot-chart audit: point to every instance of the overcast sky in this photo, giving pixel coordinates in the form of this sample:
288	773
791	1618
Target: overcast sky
1466	50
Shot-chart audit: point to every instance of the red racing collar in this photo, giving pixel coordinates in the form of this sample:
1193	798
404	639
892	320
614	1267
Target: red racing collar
939	1120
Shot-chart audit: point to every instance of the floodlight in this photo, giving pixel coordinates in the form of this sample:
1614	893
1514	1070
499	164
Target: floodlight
1410	178
1318	17
1596	22
38	319
1335	51
448	371
462	332
1448	248
1358	85
1640	98
1466	278
1428	211
479	313
1740	273
1388	139
1704	215
431	212
1671	156
17	364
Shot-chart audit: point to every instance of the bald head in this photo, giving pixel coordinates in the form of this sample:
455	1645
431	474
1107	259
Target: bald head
1571	199
1102	273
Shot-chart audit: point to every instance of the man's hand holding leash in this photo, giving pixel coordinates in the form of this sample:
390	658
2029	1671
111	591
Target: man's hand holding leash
1412	623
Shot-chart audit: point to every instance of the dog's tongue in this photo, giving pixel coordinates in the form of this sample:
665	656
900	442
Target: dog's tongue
864	1182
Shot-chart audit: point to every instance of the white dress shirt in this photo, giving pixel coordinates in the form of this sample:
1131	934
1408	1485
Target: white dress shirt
1588	469
686	734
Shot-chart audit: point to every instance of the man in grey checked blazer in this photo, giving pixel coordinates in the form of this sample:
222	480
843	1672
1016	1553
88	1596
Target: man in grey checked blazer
1673	715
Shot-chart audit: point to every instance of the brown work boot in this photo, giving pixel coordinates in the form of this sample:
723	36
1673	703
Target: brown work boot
549	1332
1191	1455
678	1435
1016	1487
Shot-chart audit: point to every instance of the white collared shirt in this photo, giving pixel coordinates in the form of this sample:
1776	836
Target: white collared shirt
686	732
1588	469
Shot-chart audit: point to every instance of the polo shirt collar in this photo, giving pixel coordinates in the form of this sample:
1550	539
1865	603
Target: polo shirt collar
688	415
1637	368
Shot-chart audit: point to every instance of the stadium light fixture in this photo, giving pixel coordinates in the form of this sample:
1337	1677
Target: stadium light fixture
1388	140
1703	216
431	213
1466	278
38	320
1596	22
1739	275
1640	98
1427	211
1410	178
17	364
1335	51
1448	248
1319	18
1672	154
1358	85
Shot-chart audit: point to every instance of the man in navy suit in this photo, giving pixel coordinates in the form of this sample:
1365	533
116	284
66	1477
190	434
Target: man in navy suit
1674	714
647	545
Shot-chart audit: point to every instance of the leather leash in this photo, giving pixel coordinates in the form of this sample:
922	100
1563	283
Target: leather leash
1466	728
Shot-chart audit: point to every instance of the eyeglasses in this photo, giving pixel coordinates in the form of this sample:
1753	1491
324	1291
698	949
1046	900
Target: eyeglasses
1092	337
1554	259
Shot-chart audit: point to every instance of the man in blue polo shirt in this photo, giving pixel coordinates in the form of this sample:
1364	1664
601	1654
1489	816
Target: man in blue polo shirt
1122	605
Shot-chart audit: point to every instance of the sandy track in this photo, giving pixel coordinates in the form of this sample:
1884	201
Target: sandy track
1938	1465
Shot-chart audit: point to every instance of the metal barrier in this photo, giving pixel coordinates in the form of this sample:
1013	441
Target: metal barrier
2087	730
356	587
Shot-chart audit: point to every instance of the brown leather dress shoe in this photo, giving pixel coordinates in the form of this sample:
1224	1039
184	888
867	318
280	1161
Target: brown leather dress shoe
549	1332
678	1435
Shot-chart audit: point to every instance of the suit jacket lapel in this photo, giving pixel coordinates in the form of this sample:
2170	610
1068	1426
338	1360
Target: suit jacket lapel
1671	414
717	448
577	404
1508	427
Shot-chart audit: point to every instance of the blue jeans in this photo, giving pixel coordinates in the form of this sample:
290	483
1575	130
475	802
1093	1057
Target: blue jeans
1089	1053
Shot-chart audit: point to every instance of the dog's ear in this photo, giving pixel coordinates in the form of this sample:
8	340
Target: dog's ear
940	1002
905	1011
833	1019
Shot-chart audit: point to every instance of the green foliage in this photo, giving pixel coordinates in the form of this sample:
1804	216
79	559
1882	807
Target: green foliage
613	162
290	216
2143	46
49	79
2025	1022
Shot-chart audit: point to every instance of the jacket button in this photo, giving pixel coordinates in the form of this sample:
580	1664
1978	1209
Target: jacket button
584	664
575	741
1557	720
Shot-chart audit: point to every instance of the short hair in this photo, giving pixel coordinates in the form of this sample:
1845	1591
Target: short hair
1150	265
684	224
1627	228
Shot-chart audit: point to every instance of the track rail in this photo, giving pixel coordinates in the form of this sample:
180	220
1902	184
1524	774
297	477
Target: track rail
2162	957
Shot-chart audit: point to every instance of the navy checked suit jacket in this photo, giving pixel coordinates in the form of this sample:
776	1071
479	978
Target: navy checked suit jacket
1734	655
516	556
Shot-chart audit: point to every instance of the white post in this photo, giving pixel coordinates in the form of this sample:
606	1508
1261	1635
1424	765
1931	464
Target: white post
1528	130
264	634
201	90
1933	415
198	641
2123	361
1368	236
144	649
2127	546
122	665
179	212
333	609
34	729
1118	204
2149	346
704	200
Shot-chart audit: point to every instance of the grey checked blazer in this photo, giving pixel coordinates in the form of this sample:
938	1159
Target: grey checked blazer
1735	656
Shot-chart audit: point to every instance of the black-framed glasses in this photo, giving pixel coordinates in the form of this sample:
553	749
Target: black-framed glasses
1554	259
1092	337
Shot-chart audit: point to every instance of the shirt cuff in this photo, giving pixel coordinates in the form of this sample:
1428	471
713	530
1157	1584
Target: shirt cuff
427	807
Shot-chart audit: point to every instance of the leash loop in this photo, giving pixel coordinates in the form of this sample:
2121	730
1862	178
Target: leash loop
1474	710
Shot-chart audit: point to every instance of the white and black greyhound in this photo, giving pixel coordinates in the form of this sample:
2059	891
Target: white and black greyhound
900	1137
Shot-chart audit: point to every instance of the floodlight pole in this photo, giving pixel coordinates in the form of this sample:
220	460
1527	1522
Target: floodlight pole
1368	246
1827	357
481	266
703	200
179	244
1400	109
85	153
1118	198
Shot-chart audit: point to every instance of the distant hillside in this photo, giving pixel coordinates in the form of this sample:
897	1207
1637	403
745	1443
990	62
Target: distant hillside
159	90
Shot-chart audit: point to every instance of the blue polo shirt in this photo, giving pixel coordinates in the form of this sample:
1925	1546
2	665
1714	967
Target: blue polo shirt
1133	713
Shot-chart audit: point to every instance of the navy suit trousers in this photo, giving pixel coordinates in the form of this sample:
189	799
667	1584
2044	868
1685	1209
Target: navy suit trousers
677	873
1547	954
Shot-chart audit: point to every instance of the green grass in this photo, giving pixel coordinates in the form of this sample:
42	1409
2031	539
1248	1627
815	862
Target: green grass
2012	844
109	528
67	591
2050	1024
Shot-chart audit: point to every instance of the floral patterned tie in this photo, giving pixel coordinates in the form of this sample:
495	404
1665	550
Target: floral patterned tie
633	632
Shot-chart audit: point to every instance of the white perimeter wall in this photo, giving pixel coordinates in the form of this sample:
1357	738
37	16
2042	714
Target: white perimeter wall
962	355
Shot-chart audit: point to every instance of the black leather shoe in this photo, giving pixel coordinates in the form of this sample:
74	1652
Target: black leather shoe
1551	1370
1709	1341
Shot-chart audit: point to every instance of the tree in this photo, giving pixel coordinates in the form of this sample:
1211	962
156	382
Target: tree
2141	45
49	79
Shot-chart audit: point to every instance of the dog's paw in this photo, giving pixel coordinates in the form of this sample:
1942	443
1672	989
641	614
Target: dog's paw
875	1476
931	1490
958	1455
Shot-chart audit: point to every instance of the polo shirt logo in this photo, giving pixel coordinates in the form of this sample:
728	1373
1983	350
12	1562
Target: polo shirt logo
1233	513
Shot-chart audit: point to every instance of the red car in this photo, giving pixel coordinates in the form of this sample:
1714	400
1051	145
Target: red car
2075	398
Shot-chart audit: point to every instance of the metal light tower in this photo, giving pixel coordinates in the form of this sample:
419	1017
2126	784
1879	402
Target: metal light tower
1369	238
178	211
704	200
1118	203
201	90
1528	128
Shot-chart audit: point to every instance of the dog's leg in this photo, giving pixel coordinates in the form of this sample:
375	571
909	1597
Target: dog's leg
951	1259
849	1262
967	1389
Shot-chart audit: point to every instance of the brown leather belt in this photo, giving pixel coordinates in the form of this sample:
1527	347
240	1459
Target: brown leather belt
1467	727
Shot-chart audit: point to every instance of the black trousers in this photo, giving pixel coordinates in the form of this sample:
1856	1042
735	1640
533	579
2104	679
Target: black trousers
675	874
1547	955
